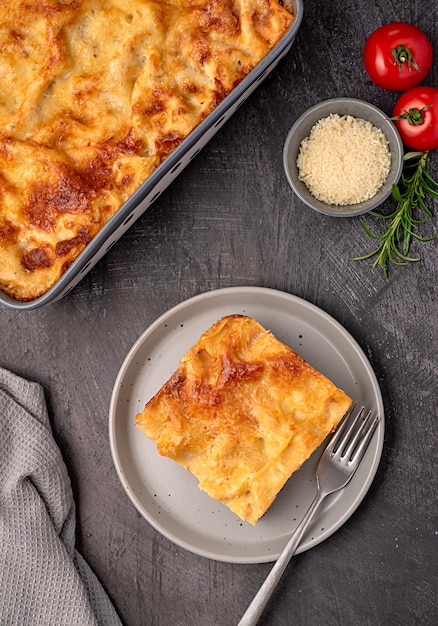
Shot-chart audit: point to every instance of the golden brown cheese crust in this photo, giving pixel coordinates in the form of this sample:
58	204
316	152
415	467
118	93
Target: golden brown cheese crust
94	94
242	412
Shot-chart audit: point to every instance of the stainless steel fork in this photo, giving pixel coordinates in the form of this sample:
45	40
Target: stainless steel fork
335	468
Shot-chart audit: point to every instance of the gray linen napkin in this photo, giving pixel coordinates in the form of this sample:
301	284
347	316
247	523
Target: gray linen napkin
43	579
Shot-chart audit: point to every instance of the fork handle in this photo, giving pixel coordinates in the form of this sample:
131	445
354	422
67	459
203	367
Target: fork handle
261	599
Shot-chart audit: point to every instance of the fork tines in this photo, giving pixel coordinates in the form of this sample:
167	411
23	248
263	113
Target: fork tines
353	434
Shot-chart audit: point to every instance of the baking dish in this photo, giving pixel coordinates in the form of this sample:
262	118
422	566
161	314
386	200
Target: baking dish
161	178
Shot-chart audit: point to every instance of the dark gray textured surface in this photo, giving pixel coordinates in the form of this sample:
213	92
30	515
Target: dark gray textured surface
229	220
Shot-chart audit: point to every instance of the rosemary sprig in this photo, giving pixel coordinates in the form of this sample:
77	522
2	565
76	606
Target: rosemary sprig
394	243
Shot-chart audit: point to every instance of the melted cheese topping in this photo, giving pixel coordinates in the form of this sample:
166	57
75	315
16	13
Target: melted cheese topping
242	413
94	94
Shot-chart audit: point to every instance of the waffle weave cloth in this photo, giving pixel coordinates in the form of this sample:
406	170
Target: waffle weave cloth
44	581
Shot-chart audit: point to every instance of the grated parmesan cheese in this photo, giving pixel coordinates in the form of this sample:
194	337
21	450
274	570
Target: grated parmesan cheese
344	160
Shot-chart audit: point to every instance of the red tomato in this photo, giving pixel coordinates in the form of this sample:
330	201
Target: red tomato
397	56
417	110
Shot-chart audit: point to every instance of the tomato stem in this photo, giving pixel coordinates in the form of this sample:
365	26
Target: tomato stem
401	55
414	116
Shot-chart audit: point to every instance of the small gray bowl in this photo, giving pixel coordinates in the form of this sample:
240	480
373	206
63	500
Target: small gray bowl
358	109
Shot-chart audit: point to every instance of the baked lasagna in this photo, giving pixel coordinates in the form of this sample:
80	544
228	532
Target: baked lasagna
94	94
242	412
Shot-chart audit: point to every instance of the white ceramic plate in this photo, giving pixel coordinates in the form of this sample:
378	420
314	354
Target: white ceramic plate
168	496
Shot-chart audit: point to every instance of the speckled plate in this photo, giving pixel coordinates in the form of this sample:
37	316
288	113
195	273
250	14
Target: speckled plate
168	496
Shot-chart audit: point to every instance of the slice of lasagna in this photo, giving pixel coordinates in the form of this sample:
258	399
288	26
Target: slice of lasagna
242	413
94	94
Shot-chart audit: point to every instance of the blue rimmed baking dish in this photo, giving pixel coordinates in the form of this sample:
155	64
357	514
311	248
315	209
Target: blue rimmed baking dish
161	178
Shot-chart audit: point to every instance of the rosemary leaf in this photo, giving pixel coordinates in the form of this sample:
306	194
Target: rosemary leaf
399	229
